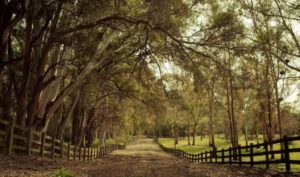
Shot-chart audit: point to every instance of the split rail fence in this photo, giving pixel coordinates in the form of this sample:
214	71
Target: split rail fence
14	138
246	155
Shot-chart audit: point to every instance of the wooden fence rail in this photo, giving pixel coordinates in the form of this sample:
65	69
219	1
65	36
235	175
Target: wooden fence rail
245	155
14	138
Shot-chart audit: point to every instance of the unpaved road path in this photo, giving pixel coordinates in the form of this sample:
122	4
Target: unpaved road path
142	158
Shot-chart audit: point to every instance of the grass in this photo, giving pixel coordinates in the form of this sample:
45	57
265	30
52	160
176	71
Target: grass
62	172
221	142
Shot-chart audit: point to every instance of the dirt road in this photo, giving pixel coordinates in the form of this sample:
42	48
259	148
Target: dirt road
142	158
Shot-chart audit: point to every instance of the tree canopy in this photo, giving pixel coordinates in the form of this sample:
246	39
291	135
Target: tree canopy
92	69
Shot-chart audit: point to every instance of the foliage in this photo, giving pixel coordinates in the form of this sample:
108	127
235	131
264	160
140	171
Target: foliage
62	172
91	71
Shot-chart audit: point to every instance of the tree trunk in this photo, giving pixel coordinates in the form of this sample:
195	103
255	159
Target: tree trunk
189	132
78	125
234	126
22	95
211	116
256	136
232	138
91	66
269	108
102	136
7	22
63	123
246	134
194	134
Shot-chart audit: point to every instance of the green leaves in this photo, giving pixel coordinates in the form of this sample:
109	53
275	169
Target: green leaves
62	172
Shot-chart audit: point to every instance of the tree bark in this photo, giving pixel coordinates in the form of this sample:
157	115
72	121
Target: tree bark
194	133
91	66
22	97
211	116
189	132
65	119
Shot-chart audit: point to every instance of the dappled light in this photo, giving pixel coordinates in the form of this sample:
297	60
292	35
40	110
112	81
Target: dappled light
149	88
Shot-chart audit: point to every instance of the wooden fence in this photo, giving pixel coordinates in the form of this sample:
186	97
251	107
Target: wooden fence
245	155
14	138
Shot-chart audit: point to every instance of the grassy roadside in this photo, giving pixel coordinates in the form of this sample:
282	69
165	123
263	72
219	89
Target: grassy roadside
221	142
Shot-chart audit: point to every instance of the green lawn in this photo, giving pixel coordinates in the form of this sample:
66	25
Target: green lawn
202	146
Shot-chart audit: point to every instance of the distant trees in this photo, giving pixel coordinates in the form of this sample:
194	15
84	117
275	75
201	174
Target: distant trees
249	48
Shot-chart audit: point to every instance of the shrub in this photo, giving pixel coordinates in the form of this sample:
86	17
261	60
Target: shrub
62	172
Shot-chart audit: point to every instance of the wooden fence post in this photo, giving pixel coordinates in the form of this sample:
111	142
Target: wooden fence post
201	157
42	147
101	151
75	150
210	156
53	147
229	156
215	154
286	154
223	156
93	152
61	148
97	153
206	156
266	153
69	148
11	136
29	141
84	153
251	155
240	154
80	148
